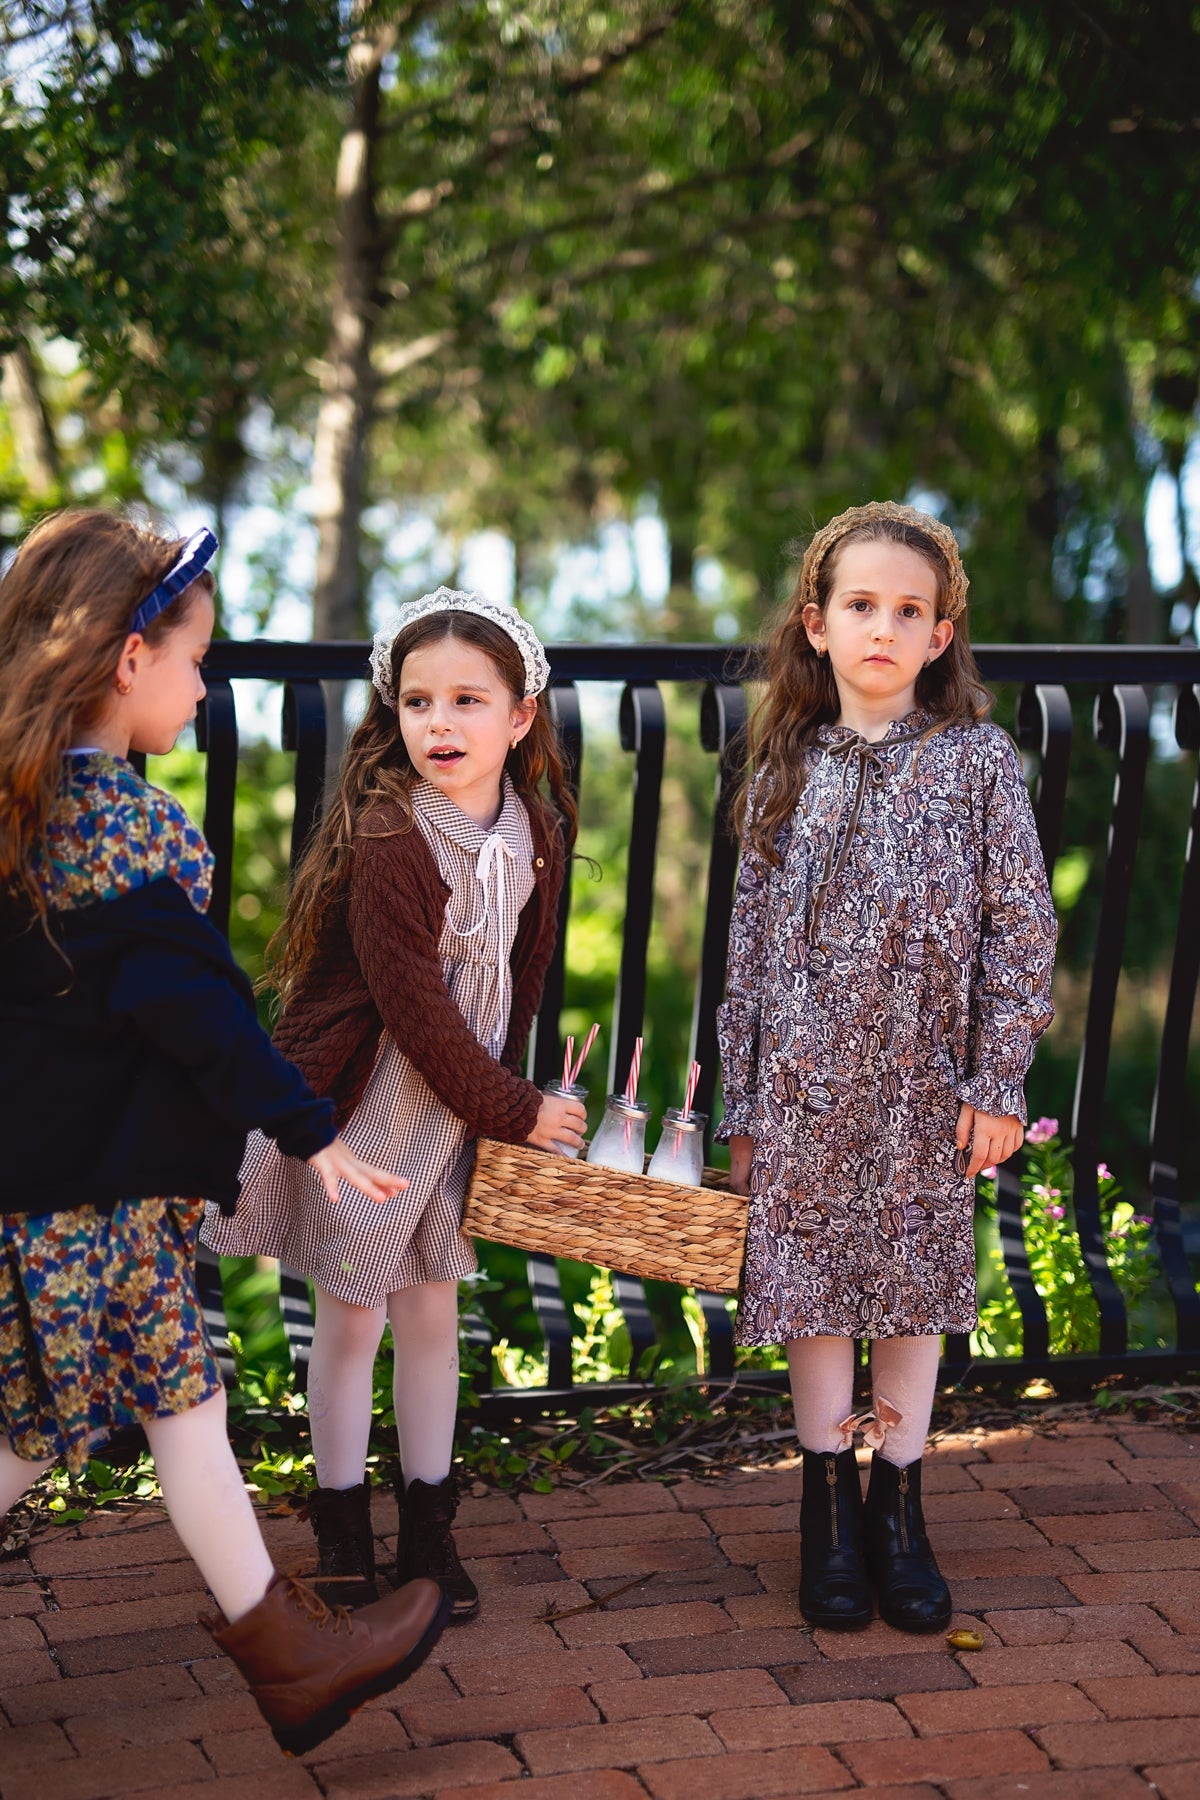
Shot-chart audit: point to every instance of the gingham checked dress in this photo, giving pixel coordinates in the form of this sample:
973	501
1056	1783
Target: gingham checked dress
360	1251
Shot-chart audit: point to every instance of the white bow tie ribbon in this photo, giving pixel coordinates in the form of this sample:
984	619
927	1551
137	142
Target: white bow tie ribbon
490	863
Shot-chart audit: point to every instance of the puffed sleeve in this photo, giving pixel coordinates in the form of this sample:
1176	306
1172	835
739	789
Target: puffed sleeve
739	1014
1010	991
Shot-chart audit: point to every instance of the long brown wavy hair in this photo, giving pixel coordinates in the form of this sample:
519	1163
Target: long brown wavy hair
376	771
66	601
801	692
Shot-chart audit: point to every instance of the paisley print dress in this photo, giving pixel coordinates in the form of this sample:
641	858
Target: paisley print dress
895	964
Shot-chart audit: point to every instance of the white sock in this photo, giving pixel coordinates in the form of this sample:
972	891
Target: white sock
16	1475
822	1377
424	1321
208	1505
904	1374
341	1374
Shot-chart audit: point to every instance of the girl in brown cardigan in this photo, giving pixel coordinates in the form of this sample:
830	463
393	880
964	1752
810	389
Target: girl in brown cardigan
413	954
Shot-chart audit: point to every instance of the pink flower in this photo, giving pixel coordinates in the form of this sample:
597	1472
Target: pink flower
1103	1172
1041	1131
1057	1212
989	1174
1047	1193
1142	1219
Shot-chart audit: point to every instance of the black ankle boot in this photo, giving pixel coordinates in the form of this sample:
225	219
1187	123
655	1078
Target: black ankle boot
908	1584
341	1522
833	1577
426	1547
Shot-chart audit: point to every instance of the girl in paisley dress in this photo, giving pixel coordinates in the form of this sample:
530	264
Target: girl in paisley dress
131	1067
889	974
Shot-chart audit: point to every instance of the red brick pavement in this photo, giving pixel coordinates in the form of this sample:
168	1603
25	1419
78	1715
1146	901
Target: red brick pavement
1077	1554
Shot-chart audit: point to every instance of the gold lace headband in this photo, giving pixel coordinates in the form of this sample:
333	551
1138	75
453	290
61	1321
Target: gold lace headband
858	516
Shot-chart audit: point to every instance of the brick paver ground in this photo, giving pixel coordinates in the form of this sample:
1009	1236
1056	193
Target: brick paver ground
1076	1555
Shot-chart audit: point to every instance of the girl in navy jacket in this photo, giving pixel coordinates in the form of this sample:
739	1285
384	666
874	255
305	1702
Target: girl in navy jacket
131	1068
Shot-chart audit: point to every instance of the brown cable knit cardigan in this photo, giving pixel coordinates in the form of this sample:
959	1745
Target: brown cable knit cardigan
378	968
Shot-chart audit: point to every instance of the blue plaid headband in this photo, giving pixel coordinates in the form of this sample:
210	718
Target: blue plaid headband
194	558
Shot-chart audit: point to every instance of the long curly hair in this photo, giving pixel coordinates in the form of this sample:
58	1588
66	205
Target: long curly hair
377	772
66	600
801	692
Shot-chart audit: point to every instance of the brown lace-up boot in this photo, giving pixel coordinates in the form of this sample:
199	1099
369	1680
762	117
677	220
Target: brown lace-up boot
309	1666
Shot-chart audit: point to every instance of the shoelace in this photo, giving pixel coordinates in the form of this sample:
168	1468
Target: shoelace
312	1605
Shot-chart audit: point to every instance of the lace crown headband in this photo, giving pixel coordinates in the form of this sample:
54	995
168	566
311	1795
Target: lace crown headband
444	599
192	560
833	533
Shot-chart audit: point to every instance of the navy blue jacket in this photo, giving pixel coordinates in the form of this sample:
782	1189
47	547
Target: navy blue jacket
132	1063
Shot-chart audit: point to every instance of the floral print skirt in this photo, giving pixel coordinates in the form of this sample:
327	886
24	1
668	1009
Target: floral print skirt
100	1325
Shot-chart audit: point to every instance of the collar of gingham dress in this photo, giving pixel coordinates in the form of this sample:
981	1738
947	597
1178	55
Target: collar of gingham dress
493	850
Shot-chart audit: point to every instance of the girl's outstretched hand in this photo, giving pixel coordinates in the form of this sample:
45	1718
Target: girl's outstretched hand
741	1152
337	1162
560	1126
992	1139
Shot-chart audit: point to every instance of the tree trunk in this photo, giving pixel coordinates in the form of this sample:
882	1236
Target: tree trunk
347	383
33	439
347	402
1143	609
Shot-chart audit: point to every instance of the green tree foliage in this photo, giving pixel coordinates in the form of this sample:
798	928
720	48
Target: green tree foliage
156	214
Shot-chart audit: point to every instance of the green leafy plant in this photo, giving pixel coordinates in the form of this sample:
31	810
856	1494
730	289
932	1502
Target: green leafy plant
1055	1259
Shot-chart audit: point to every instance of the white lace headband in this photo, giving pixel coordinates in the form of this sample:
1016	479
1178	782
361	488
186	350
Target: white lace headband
444	599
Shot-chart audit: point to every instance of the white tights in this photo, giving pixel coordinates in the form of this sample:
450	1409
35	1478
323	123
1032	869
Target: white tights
903	1381
424	1322
205	1498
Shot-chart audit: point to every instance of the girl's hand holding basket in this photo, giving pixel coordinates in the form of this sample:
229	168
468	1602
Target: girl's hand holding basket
741	1152
560	1122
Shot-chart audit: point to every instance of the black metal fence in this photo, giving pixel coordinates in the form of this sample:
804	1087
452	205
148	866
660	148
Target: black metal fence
1123	682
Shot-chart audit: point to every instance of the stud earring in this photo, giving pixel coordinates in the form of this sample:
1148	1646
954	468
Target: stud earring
122	687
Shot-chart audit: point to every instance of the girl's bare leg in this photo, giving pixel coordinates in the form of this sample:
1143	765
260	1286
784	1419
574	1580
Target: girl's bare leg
207	1502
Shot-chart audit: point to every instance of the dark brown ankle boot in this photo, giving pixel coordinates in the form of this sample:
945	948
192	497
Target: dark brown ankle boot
425	1546
341	1522
309	1666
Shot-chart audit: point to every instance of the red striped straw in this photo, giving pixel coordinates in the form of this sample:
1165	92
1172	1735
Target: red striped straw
568	1056
690	1090
635	1069
583	1055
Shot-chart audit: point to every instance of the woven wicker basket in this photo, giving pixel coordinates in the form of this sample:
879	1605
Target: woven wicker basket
635	1225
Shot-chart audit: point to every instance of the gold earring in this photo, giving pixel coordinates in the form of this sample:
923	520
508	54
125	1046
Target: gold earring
122	687
820	649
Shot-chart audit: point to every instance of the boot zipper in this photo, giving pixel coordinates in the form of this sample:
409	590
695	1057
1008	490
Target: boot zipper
903	1511
831	1483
